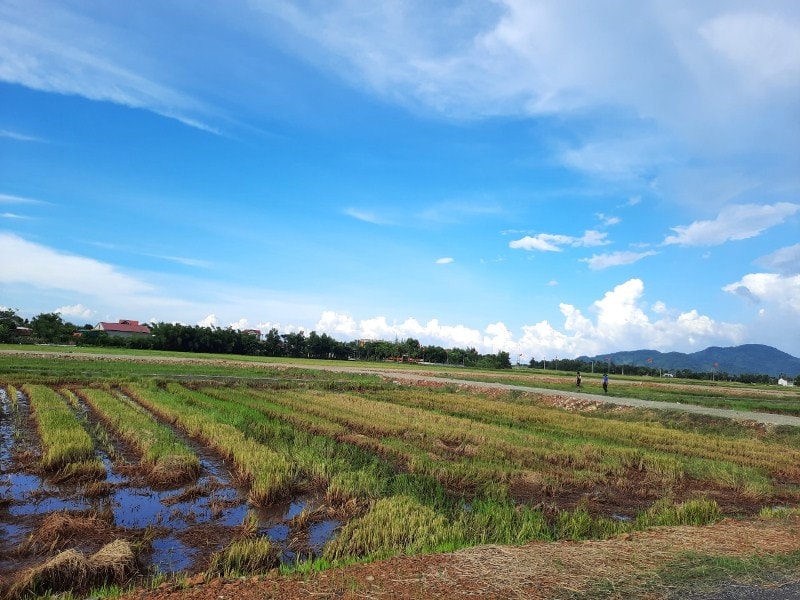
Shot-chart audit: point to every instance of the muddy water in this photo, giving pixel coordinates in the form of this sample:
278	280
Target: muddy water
186	524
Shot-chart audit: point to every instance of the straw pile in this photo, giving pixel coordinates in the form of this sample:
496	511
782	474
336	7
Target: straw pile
70	570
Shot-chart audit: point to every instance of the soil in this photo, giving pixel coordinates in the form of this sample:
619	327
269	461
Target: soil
629	564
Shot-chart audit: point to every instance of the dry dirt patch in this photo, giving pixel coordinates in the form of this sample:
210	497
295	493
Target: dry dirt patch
534	571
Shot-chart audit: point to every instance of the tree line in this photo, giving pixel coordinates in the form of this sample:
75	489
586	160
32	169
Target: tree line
574	365
51	328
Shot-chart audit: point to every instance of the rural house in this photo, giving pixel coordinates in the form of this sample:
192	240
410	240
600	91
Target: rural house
124	328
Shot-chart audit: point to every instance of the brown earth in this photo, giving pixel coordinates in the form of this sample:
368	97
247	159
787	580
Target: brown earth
539	570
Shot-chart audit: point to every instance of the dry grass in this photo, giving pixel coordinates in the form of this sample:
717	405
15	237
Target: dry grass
72	571
62	529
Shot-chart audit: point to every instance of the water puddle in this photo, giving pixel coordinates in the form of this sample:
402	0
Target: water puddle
186	524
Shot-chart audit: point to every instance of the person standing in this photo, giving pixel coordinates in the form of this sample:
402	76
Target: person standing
605	382
578	380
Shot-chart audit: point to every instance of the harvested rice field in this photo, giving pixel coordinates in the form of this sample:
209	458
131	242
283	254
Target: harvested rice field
161	483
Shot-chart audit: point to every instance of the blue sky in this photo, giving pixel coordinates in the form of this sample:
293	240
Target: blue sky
550	179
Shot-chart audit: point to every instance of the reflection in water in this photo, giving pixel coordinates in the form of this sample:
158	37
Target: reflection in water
212	500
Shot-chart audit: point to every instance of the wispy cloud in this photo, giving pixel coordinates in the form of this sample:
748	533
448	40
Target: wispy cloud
548	242
20	137
785	261
9	199
736	222
444	261
614	259
44	268
8	215
68	53
367	216
456	212
764	48
189	262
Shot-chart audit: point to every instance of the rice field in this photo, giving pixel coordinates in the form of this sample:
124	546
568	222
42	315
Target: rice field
302	470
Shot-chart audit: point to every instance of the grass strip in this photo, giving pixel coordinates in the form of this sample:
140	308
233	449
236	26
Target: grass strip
66	446
269	474
168	460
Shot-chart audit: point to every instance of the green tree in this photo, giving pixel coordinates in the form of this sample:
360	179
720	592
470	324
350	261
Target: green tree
50	327
9	321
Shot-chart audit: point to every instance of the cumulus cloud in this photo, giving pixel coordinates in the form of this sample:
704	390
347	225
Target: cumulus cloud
621	321
76	310
603	261
769	288
548	242
240	325
209	321
736	222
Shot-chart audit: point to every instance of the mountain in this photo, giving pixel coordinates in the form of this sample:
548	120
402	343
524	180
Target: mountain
748	358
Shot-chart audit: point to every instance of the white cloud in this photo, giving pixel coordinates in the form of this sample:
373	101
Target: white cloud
44	268
763	48
456	212
189	262
337	325
785	261
209	321
367	217
548	242
608	221
620	323
444	261
736	222
47	47
240	325
76	310
615	259
20	137
8	215
9	199
769	288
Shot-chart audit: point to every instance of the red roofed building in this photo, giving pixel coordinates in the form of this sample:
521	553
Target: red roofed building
124	328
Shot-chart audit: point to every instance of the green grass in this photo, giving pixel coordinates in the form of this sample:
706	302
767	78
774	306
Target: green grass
243	557
66	446
168	459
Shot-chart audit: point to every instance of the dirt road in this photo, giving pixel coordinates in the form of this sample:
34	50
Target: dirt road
411	377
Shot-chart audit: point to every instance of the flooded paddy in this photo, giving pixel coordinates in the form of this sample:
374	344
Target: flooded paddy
178	528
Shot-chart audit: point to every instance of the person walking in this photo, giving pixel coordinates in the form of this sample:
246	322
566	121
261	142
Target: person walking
578	380
605	382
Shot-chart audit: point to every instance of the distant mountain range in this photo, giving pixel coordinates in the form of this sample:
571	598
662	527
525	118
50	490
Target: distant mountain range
748	358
